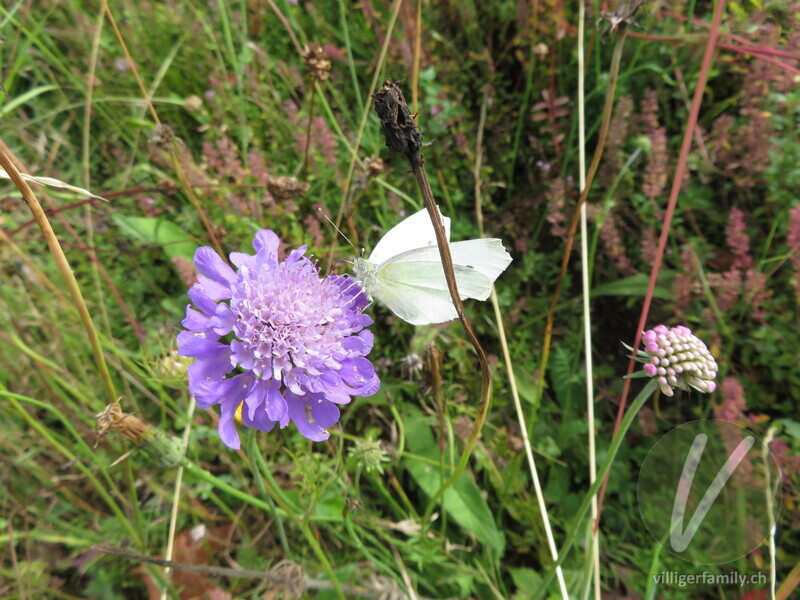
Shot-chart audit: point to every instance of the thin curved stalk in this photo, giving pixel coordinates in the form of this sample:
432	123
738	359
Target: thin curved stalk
613	76
616	443
677	180
587	320
512	381
363	123
272	497
66	271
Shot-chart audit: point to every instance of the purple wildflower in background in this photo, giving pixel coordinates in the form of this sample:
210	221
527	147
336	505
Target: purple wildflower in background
678	359
276	339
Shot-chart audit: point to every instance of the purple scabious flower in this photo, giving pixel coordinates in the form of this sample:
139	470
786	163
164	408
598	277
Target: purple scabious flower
276	339
678	359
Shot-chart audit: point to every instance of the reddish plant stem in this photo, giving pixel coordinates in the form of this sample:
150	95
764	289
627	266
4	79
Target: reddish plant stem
733	36
677	180
758	52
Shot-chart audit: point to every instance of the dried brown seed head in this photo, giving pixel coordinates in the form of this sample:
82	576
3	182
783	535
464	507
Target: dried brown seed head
316	61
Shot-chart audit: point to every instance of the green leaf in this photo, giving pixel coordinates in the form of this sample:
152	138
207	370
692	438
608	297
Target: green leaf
463	500
22	99
173	240
636	285
525	579
526	383
567	382
791	427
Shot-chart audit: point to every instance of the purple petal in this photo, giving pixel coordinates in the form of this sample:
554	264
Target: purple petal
213	289
227	425
244	357
295	255
277	410
198	346
240	259
359	345
209	263
260	421
301	416
255	398
360	375
223	319
334	389
359	320
256	414
201	300
351	290
195	320
294	380
326	414
214	367
207	393
266	244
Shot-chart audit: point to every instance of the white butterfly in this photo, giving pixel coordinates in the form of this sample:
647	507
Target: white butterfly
405	270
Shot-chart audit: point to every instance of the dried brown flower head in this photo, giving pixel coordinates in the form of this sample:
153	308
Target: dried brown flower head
374	166
162	449
286	188
622	16
397	123
316	60
113	419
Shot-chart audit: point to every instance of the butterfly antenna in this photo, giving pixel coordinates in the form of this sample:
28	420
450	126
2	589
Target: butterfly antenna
322	212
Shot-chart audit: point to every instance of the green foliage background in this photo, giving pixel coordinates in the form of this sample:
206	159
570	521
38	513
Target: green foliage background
228	79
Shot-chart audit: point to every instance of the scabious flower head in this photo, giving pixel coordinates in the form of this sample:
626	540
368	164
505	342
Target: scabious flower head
678	359
276	339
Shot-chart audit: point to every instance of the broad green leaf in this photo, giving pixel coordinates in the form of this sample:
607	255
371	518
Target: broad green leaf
158	232
463	500
526	383
791	427
636	285
525	579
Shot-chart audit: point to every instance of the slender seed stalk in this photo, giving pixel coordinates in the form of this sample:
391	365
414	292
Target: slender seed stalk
363	123
616	443
403	137
587	320
308	130
677	181
66	271
512	381
575	219
272	497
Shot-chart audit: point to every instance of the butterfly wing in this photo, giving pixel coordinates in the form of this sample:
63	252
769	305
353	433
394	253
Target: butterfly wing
412	284
486	256
414	232
414	304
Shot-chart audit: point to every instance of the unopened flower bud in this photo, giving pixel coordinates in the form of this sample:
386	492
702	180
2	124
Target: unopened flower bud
690	364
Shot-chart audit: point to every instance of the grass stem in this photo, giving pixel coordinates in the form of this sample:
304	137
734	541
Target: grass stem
66	271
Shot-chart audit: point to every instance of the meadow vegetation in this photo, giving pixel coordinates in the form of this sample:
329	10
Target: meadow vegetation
201	123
